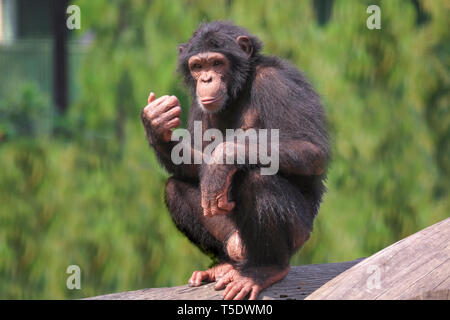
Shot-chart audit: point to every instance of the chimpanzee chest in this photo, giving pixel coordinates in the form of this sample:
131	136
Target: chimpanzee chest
246	119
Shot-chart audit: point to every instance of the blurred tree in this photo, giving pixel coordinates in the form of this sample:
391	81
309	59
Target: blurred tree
25	112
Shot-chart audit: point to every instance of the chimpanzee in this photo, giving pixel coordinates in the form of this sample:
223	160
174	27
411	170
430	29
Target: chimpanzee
252	223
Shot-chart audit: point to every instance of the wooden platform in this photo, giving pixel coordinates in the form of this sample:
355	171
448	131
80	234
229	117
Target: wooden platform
417	267
298	284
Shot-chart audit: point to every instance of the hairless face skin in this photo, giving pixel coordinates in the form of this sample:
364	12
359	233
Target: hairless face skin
210	70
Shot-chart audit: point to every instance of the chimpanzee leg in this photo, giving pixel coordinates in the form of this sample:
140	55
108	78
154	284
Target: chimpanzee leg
183	200
273	220
270	222
272	217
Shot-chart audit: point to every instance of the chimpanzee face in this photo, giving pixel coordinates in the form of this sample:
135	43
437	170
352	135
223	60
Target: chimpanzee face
210	70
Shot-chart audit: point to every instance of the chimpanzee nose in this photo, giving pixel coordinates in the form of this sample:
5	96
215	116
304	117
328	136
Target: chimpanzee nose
206	78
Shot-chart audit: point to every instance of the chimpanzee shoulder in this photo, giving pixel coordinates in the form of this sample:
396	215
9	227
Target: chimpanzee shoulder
272	71
283	96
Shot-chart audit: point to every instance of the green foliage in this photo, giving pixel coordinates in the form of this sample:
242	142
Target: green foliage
66	204
94	197
25	112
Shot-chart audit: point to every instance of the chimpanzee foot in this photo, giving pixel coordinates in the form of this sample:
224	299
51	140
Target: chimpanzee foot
255	280
209	275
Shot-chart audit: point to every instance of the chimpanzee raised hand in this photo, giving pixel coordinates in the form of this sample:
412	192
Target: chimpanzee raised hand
253	223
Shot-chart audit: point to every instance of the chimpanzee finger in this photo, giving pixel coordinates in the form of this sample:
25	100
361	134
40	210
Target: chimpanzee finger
166	104
228	288
158	106
197	278
175	122
171	102
232	290
255	291
149	109
171	113
166	123
158	101
206	208
215	210
151	97
156	122
243	293
224	204
224	280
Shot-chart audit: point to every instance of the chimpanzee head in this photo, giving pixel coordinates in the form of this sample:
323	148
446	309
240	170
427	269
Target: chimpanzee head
216	63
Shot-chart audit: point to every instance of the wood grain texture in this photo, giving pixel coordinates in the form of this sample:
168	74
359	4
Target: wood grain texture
298	284
417	267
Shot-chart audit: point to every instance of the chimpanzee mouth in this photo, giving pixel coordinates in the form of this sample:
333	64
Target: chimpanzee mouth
207	101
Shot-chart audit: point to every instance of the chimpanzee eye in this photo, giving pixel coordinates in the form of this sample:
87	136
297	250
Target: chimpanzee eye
217	63
196	66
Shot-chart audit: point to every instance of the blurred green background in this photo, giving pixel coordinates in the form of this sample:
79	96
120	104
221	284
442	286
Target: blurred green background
82	186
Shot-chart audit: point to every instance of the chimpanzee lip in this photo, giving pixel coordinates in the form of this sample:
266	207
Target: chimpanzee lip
211	100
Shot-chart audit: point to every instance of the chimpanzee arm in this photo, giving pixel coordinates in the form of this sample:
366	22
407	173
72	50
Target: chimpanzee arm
288	156
159	118
163	151
284	100
300	157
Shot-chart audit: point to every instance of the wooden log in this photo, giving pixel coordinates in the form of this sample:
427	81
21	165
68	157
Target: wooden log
417	267
298	284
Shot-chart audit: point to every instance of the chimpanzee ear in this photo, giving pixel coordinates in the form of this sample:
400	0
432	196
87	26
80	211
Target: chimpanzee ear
181	48
246	44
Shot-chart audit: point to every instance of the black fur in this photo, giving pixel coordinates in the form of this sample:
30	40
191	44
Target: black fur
274	214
